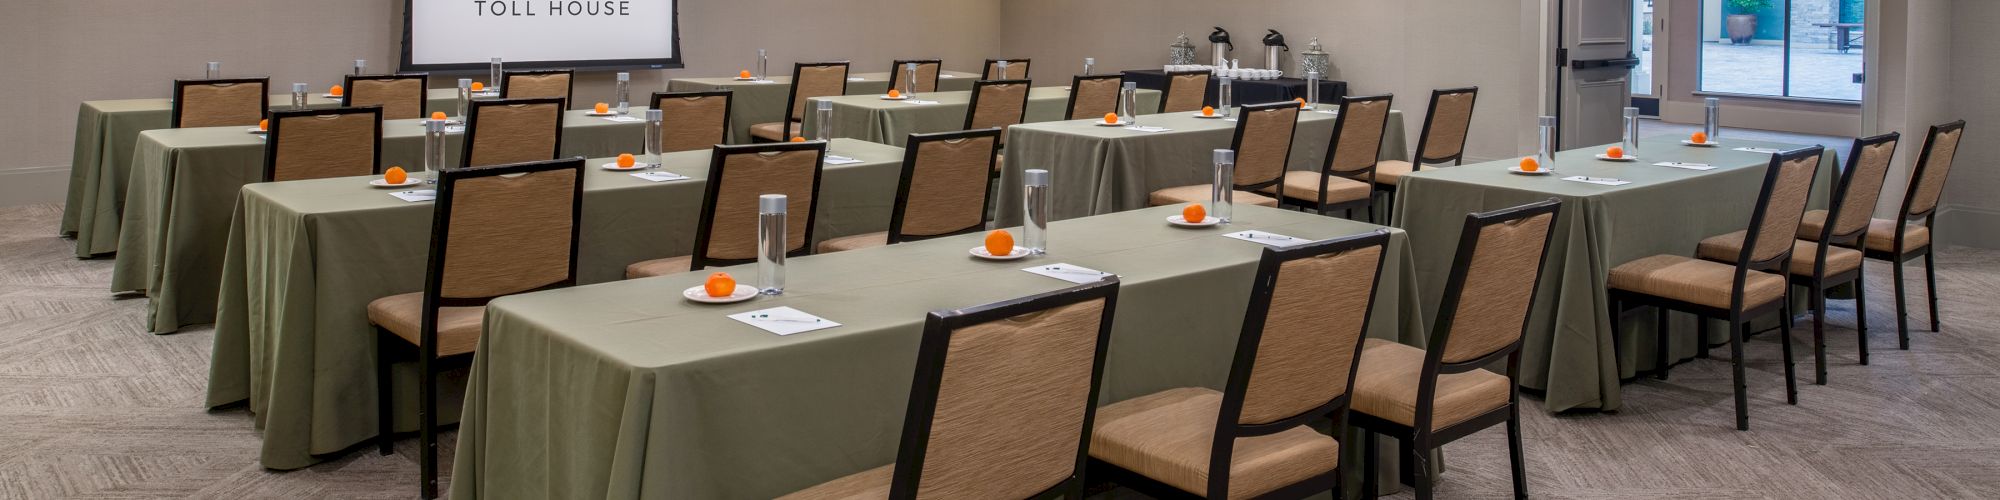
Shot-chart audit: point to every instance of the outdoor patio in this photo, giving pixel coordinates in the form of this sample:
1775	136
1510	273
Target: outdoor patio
1817	70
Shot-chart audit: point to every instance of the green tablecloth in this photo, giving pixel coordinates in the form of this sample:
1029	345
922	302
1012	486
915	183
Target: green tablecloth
1101	169
874	119
753	103
99	166
184	182
1569	350
622	390
305	257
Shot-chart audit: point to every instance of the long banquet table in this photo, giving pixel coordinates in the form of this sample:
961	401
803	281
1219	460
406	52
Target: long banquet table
304	258
752	102
105	133
1571	351
624	390
184	183
874	119
1100	170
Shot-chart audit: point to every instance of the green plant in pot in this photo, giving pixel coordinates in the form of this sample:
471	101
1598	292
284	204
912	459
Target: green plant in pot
1742	19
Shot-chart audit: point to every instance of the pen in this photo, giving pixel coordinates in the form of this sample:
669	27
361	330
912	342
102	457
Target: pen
767	317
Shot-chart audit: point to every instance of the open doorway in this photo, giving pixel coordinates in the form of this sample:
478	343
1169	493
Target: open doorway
1647	82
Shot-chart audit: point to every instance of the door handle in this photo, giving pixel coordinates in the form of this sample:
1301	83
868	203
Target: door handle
1624	62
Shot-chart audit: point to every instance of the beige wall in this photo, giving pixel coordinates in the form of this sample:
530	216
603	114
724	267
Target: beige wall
1971	214
117	49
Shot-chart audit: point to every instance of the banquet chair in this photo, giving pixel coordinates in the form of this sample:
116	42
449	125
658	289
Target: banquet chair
1186	91
317	144
1428	397
1904	239
1017	69
943	192
1093	97
1294	365
496	231
1442	140
927	75
693	121
517	84
1002	402
1749	286
809	80
503	131
402	97
737	175
1263	147
997	103
1825	256
220	103
1346	180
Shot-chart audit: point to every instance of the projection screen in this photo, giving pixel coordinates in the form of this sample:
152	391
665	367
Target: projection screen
525	34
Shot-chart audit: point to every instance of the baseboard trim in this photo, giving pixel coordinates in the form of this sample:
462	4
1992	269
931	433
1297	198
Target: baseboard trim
33	185
1968	226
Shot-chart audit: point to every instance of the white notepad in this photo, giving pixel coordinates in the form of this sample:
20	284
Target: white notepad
1689	166
623	119
918	102
1147	129
416	196
1768	151
783	320
840	160
1266	238
1605	181
660	176
1069	272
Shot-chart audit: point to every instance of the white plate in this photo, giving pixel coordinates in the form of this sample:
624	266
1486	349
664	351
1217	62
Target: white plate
1182	221
607	113
1517	170
329	96
700	294
1709	144
258	131
447	121
1209	117
980	252
384	183
742	79
614	166
1601	156
1101	123
898	98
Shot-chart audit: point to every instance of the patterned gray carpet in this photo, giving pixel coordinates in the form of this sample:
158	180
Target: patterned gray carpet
93	407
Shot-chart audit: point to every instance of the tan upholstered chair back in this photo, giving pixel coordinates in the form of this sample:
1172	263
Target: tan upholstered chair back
1864	188
1264	143
948	185
817	81
1185	91
523	85
1318	307
221	104
1000	105
401	97
693	122
1930	182
509	233
1360	142
927	76
513	133
323	145
1498	288
745	176
1017	69
1784	207
1450	119
1011	403
1095	97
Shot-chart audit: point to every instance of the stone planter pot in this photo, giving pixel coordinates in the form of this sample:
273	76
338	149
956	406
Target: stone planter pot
1742	27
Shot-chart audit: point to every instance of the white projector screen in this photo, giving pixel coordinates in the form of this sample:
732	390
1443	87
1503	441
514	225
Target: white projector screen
526	34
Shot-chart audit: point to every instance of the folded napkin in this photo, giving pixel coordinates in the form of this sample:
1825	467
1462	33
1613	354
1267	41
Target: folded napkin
660	176
1606	181
840	160
1689	166
783	320
419	195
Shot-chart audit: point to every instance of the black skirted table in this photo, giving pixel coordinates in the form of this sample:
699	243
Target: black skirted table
1247	91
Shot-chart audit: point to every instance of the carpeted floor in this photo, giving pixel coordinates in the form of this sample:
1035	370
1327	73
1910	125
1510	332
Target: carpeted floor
91	406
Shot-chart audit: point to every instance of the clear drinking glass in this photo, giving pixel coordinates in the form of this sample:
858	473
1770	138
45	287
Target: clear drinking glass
360	65
433	150
771	244
1224	94
654	120
493	75
298	96
1312	90
1545	152
1128	103
214	71
824	116
763	65
1035	225
464	96
1631	140
624	93
1712	118
1222	197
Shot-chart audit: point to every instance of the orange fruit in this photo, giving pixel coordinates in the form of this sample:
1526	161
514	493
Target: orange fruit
627	161
336	90
1301	101
999	243
719	285
395	175
893	93
743	74
1194	214
264	124
1614	152
1207	111
600	108
1111	118
476	86
1528	164
1699	138
437	116
798	139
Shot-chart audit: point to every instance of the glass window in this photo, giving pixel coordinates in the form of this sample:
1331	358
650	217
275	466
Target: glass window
1792	48
1642	40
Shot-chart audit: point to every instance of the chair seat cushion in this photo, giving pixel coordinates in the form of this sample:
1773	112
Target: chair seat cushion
1167	436
1391	171
1202	193
457	327
659	267
1729	247
868	484
855	242
1386	387
1881	233
1695	281
774	131
1304	186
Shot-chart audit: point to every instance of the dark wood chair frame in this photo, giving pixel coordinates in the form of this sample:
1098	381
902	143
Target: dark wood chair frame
472	122
910	151
792	95
986	72
716	163
1069	110
278	118
423	86
1327	174
1417	161
507	80
180	97
896	72
1236	144
1905	216
1169	91
728	104
972	108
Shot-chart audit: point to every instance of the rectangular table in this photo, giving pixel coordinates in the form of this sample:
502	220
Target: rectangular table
99	165
1100	170
1246	91
1571	351
752	103
184	182
874	119
306	257
622	390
